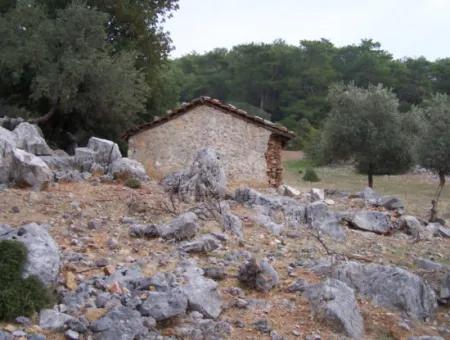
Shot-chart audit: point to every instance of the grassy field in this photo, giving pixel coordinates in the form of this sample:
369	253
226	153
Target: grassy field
416	191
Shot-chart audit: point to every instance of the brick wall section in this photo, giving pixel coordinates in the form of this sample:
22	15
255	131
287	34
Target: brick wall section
273	158
243	145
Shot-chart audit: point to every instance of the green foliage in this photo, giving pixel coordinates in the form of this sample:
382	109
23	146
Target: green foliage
311	175
434	142
19	297
364	126
133	183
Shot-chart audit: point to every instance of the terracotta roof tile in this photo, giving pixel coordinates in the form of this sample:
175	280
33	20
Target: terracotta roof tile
227	108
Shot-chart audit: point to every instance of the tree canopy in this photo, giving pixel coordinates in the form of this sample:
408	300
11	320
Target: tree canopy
364	125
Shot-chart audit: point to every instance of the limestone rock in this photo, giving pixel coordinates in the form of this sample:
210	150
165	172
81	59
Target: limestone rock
85	158
317	194
29	138
260	276
203	244
43	258
165	305
411	225
369	196
29	170
289	191
8	136
124	168
120	323
374	221
391	203
334	302
180	228
390	286
233	224
201	292
106	151
6	161
204	179
53	320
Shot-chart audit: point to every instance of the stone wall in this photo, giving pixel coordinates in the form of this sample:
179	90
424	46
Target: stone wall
172	146
273	159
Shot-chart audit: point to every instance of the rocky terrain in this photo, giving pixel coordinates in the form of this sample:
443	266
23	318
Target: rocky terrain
191	258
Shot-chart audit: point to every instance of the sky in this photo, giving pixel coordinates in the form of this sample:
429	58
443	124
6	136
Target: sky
405	28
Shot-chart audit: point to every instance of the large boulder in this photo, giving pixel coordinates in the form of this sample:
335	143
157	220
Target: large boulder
120	323
180	228
125	168
85	158
201	292
29	170
43	258
370	196
8	136
6	161
205	179
29	138
334	303
374	221
260	276
165	305
389	286
106	151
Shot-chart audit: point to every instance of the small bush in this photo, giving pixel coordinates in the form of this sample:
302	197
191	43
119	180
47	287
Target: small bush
133	183
311	175
18	296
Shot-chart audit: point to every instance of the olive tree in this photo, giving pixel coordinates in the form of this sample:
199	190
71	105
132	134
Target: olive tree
434	143
364	125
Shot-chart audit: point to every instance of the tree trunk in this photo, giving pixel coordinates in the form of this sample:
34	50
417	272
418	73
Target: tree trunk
370	176
435	201
45	118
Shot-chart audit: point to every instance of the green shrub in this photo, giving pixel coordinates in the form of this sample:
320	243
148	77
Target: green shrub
18	296
311	175
133	183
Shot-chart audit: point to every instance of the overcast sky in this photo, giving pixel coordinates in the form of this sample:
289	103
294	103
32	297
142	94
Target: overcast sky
403	27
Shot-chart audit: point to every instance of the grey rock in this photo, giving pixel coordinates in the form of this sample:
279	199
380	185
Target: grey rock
444	291
215	273
124	168
373	221
36	337
5	336
165	305
84	158
427	264
106	151
203	244
71	335
53	320
263	326
391	203
444	232
8	137
298	285
6	161
29	170
317	194
425	337
370	196
124	323
180	228
334	302
390	286
144	230
233	224
205	178
43	258
201	292
260	276
198	328
411	226
29	138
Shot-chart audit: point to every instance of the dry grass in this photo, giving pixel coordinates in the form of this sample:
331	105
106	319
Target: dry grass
415	190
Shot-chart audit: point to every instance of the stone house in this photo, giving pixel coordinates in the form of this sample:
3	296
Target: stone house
250	147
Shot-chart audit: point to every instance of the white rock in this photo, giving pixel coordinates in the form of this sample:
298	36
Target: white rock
317	194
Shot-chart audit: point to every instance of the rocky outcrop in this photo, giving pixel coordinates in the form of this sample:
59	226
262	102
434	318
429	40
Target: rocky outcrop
334	303
165	305
390	286
180	228
373	221
125	168
43	258
205	178
28	170
29	138
258	275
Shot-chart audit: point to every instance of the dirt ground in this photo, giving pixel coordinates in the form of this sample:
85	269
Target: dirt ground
68	208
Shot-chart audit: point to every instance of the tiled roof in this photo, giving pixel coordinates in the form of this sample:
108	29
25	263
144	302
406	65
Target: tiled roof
215	103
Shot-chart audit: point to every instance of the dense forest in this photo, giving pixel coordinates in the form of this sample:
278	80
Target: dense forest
98	67
289	84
